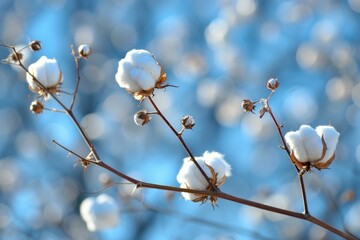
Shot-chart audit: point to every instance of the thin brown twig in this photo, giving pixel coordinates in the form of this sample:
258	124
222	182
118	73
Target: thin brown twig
78	77
300	176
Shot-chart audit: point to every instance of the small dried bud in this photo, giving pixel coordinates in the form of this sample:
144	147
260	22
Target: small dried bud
272	84
188	122
84	50
35	45
36	107
141	118
248	105
14	57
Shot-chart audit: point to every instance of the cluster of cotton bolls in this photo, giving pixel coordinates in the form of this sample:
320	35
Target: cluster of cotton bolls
45	76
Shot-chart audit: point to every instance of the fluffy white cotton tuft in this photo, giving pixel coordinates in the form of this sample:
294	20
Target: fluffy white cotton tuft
190	175
295	143
311	142
217	161
331	137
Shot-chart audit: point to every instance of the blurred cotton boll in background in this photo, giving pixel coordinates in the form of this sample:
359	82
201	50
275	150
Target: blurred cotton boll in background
100	213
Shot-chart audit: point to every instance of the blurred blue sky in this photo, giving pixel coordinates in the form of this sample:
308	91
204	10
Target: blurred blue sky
218	53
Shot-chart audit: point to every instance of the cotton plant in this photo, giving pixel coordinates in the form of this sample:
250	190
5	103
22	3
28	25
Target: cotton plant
199	178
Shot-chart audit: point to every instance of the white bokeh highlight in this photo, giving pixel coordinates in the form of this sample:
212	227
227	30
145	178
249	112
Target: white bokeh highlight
100	213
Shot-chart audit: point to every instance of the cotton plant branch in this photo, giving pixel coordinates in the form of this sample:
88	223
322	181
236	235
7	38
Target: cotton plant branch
67	110
248	105
222	195
94	158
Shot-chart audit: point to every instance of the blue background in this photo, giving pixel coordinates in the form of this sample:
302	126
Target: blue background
218	53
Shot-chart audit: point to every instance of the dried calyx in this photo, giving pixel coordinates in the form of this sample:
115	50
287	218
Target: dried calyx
36	107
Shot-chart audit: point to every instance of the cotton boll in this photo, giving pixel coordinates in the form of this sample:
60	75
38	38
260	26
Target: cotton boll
100	213
317	145
295	143
331	137
213	165
47	72
312	143
140	73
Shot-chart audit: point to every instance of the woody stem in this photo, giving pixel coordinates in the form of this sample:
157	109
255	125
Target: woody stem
301	181
179	136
